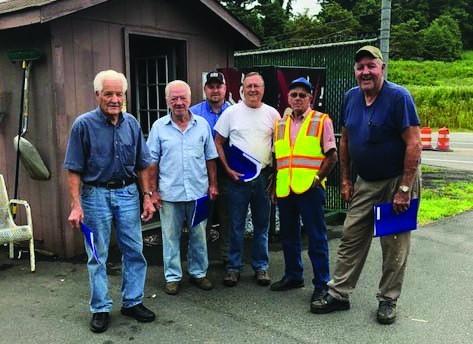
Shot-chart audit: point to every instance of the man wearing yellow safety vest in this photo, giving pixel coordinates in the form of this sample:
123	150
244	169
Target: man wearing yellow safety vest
305	149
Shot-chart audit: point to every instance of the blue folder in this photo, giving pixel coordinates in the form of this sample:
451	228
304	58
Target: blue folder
89	238
243	163
201	210
387	222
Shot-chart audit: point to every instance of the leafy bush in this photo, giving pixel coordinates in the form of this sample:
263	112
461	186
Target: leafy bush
442	39
440	106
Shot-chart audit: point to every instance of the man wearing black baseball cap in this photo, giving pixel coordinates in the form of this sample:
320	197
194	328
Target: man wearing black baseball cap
305	149
211	108
381	139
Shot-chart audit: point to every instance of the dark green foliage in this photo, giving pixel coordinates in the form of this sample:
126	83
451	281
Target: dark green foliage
442	39
406	40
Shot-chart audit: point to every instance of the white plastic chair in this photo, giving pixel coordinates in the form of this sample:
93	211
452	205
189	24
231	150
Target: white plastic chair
10	232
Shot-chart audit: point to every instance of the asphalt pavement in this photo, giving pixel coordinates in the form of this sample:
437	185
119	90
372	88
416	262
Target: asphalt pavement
50	306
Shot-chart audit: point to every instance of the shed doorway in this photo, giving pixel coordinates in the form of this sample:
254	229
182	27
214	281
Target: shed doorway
153	62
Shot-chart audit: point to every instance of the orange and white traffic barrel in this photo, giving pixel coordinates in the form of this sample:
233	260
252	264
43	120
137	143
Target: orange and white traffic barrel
426	138
443	141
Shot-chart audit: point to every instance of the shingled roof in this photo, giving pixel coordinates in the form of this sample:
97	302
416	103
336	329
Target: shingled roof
18	5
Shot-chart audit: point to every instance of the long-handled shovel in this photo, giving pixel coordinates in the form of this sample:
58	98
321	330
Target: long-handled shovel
25	151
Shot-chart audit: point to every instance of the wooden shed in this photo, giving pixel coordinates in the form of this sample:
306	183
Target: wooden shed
151	41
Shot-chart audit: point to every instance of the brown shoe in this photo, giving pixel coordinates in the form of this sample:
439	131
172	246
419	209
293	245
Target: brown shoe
202	283
171	288
262	278
231	278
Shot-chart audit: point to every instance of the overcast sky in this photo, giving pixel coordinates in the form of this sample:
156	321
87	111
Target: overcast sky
301	5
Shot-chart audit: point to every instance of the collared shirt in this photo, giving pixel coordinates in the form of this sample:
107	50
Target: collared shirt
205	110
328	136
181	157
100	151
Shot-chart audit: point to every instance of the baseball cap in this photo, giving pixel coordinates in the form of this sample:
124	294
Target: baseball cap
214	76
368	50
301	82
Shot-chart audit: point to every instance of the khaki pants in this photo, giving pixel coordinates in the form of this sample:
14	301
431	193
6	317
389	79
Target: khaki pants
356	241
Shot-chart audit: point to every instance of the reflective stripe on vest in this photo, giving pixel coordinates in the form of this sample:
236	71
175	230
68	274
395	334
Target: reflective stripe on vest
298	164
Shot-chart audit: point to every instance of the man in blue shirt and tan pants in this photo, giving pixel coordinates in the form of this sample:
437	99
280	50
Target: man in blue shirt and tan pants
107	153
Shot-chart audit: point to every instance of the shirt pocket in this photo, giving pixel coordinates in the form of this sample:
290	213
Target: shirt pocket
128	154
377	132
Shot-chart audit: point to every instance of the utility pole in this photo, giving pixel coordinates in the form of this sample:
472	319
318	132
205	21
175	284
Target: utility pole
385	32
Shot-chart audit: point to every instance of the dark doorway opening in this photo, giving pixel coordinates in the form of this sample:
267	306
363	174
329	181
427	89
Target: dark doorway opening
154	61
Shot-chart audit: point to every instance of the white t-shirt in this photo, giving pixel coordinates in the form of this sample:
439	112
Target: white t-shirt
249	129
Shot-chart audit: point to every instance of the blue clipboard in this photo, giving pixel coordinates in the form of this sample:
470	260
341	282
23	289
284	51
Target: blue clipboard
243	163
89	238
387	222
201	210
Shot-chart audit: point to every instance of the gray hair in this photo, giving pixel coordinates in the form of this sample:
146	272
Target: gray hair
175	83
109	75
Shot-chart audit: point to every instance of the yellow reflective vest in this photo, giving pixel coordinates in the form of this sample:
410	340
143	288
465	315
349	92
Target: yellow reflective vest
298	165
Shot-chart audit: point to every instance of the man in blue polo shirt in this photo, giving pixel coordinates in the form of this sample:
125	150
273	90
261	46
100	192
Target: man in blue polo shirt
381	139
211	108
183	154
107	153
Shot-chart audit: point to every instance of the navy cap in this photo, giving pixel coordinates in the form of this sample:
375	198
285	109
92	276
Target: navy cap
301	82
214	76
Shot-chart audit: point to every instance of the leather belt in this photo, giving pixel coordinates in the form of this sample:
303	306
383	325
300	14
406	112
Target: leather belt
113	184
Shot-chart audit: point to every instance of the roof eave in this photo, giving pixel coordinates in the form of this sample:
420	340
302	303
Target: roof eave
220	11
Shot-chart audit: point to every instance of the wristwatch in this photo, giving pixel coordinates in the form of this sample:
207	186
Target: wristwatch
148	193
404	188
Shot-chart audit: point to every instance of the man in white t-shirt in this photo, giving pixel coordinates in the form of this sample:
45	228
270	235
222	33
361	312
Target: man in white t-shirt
248	125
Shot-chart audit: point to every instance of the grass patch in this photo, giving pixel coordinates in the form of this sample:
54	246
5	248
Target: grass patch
445	200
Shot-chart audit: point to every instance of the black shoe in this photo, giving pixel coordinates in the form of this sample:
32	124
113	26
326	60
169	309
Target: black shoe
386	312
328	304
139	312
286	284
318	294
99	322
231	278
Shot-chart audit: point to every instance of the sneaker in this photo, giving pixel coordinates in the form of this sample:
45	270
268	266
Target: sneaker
328	304
202	283
286	284
171	288
262	278
386	312
231	278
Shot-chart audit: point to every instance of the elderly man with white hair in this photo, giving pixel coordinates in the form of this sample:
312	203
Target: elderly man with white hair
183	153
107	153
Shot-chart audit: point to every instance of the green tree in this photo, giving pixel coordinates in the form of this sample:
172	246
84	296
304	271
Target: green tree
336	20
406	40
442	39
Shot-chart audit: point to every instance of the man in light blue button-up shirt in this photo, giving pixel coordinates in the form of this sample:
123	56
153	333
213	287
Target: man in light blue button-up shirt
183	152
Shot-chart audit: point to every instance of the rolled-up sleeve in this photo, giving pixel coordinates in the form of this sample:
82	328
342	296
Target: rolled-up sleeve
143	157
210	149
75	154
154	144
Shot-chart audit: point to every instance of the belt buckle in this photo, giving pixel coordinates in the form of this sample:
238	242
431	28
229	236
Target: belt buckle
114	184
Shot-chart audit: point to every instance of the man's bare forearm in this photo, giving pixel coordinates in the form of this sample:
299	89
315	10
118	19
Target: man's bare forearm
212	172
411	137
153	172
219	142
144	179
328	164
73	182
345	170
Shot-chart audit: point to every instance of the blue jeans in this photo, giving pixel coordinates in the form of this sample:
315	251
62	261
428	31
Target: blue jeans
173	215
310	207
240	195
102	207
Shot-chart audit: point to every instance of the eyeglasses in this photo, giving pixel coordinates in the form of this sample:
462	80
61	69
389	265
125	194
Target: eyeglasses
298	94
